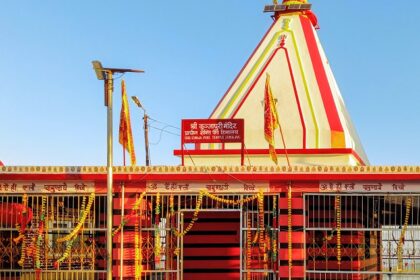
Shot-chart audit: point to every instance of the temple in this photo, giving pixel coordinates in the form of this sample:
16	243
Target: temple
274	184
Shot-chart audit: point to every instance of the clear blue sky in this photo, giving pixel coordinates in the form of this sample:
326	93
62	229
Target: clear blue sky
51	103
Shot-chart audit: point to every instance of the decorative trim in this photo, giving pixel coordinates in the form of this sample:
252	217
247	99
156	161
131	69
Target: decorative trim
101	170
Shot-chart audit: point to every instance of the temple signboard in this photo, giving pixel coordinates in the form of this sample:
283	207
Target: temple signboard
213	131
200	131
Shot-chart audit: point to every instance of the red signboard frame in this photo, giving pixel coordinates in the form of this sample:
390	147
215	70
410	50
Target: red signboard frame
200	131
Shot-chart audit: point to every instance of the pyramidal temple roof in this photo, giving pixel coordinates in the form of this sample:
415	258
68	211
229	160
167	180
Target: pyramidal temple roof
316	125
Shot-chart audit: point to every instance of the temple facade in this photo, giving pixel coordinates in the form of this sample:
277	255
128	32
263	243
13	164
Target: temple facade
274	184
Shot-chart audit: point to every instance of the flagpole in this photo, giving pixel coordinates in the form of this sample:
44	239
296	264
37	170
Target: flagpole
123	154
284	144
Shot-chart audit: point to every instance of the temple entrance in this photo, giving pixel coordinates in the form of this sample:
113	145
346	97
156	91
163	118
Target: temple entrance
362	236
205	236
211	250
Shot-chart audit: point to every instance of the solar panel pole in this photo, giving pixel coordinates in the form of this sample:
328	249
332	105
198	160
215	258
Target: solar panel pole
109	88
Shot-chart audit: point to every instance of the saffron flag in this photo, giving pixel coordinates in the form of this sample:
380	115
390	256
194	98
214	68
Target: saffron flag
125	134
271	119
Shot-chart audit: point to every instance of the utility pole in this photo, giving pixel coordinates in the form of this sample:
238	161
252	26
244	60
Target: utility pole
106	74
146	127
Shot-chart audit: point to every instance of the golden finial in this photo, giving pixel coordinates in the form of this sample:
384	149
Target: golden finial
275	2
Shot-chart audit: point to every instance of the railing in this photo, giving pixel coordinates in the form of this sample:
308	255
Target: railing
369	236
32	229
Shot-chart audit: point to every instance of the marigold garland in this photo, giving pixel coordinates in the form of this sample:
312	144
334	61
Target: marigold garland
338	225
289	225
131	216
66	253
171	205
230	201
158	248
137	247
20	228
261	217
81	221
21	261
274	234
194	218
408	202
248	249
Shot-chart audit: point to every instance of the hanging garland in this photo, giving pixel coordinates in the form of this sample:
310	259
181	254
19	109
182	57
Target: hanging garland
131	216
66	253
408	202
171	205
248	248
137	246
338	222
81	221
194	218
20	228
21	261
267	248
274	234
38	239
84	212
158	248
230	201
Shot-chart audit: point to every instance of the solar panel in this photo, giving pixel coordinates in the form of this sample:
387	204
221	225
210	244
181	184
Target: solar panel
279	8
269	8
294	7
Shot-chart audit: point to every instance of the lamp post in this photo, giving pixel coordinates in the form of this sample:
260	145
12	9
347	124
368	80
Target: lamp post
146	128
106	74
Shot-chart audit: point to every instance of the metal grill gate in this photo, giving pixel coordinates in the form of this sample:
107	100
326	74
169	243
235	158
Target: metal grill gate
374	236
170	264
60	215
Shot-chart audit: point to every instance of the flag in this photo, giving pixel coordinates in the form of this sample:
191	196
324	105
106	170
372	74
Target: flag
271	118
125	134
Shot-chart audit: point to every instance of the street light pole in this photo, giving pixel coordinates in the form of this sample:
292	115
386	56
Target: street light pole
146	137
106	74
146	127
109	163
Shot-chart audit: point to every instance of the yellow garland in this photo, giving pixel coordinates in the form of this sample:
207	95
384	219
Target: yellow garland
171	205
289	225
81	221
21	262
66	252
400	242
137	248
82	208
157	209
19	227
338	222
194	218
248	249
267	248
261	217
275	230
157	249
135	207
230	201
38	239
